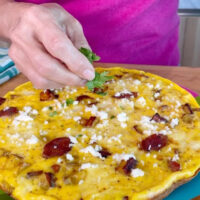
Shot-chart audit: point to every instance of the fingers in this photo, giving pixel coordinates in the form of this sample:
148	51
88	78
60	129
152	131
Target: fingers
59	45
25	66
51	68
75	33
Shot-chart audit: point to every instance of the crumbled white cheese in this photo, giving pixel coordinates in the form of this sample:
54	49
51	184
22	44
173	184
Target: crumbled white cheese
157	94
92	109
58	104
95	138
158	86
22	117
73	139
174	122
80	182
75	103
32	140
68	129
59	160
141	102
92	151
103	124
14	136
148	125
126	102
178	104
154	156
102	115
115	138
155	165
42	132
34	112
45	109
88	165
165	131
122	117
121	83
123	92
77	118
175	158
150	86
123	125
136	82
137	173
169	149
69	157
97	148
125	157
46	122
27	109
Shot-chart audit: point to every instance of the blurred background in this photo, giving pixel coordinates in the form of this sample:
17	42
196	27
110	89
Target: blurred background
189	11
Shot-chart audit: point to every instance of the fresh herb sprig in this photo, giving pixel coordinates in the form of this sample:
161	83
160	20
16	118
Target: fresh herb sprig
198	100
69	102
52	114
100	78
91	56
98	81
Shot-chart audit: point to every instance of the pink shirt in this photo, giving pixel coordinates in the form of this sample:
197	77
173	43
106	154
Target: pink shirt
128	31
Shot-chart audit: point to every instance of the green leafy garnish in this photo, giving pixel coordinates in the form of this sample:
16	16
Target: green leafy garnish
98	81
198	99
69	101
50	108
112	117
101	93
52	114
89	54
122	108
80	135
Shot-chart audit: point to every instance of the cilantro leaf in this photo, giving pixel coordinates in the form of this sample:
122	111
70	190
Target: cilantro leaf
102	93
52	114
98	81
69	101
89	54
198	99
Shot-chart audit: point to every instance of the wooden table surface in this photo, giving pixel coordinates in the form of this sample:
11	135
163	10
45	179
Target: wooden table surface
184	76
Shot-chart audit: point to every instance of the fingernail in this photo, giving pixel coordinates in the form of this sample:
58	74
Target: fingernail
88	74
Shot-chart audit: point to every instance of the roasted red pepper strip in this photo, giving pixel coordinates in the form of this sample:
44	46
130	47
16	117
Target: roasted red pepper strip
130	164
127	166
154	142
82	97
9	111
87	122
174	166
126	95
187	108
2	100
158	118
104	153
56	147
34	173
50	179
56	168
48	95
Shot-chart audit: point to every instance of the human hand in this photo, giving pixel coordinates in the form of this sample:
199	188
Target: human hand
44	46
